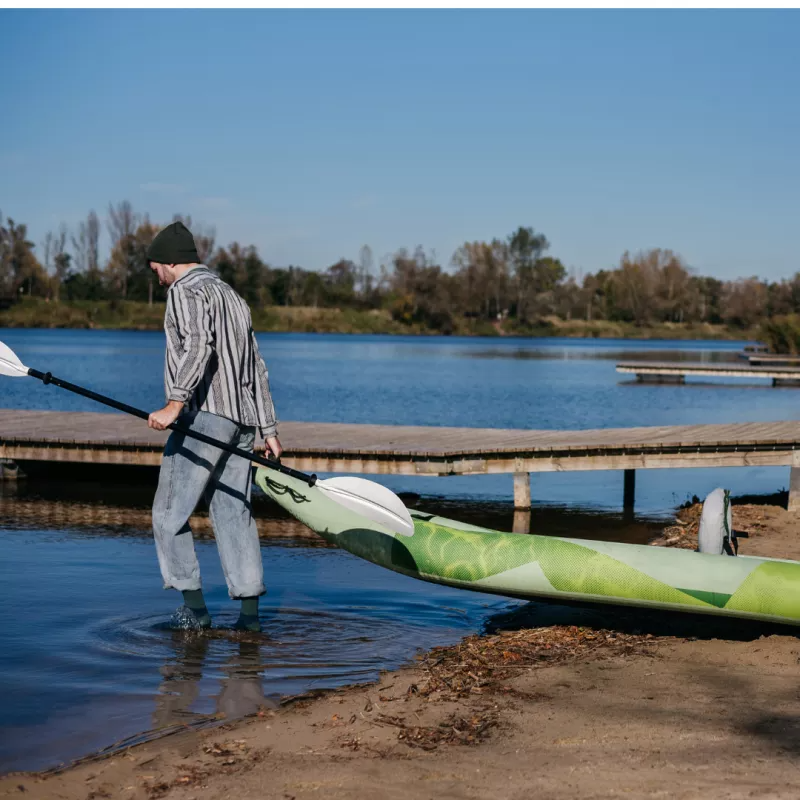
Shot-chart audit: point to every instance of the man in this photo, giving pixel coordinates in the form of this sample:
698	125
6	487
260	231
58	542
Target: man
216	381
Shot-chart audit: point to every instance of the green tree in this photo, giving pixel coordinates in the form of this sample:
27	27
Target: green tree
57	260
744	302
526	248
708	292
254	288
420	291
340	283
20	270
482	278
229	263
122	224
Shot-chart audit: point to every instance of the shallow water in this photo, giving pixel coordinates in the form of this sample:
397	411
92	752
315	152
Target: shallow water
88	657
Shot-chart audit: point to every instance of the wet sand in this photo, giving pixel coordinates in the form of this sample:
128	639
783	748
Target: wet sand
617	704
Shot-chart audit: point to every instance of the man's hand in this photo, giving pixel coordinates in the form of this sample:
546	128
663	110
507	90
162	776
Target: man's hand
274	444
161	420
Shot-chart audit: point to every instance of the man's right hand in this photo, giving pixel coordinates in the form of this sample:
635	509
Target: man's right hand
274	445
161	420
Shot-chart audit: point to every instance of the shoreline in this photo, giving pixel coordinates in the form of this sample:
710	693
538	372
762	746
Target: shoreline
136	316
608	701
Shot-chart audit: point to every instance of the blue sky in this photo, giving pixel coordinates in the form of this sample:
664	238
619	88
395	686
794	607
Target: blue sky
311	133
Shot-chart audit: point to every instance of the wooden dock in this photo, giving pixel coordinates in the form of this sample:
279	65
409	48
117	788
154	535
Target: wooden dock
44	437
773	360
675	372
754	349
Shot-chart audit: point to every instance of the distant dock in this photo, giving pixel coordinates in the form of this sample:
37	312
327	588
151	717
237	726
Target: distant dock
36	439
750	349
773	359
674	372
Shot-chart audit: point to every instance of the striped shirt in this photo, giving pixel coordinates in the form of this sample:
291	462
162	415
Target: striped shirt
213	363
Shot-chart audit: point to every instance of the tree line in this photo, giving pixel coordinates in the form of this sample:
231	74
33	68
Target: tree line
513	281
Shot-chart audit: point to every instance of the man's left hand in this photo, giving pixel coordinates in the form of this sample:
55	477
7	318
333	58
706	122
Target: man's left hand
274	446
161	420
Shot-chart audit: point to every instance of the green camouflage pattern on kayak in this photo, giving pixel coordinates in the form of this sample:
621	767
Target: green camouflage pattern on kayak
530	566
467	557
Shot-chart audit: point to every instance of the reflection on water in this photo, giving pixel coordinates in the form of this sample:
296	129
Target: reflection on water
102	665
240	692
89	658
125	510
589	353
122	510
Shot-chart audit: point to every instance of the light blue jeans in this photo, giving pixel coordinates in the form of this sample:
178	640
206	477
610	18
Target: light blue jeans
189	470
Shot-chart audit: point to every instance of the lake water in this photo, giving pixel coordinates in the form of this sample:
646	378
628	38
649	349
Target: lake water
499	383
88	657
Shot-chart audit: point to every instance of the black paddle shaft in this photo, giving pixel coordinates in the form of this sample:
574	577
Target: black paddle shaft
46	377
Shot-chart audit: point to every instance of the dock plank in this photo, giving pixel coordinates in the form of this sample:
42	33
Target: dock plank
42	437
103	430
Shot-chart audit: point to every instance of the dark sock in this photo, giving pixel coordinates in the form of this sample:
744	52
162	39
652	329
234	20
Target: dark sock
193	600
248	616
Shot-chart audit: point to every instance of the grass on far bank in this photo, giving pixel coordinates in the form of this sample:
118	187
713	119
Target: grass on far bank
123	315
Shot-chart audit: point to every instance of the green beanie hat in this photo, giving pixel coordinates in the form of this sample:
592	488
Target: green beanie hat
173	245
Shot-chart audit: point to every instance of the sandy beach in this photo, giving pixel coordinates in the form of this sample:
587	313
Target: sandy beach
609	703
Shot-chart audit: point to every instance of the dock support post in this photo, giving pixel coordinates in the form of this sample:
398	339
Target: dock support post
9	471
629	491
522	521
522	491
794	483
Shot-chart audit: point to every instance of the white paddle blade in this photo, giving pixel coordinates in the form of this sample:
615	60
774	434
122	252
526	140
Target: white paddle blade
371	500
9	363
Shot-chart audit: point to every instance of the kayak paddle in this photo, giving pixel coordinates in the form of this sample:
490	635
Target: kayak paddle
358	494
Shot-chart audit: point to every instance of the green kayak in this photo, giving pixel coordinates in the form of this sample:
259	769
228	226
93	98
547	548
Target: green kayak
534	567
